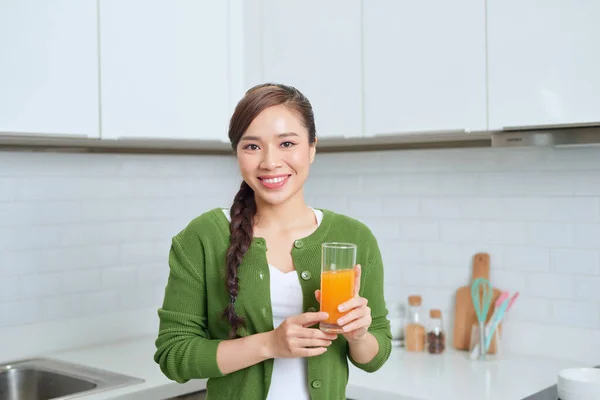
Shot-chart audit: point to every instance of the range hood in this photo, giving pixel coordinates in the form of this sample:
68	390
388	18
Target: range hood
572	135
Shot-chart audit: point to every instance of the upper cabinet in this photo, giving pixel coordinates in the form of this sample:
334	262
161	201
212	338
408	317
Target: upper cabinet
165	69
49	67
543	62
160	69
424	66
315	46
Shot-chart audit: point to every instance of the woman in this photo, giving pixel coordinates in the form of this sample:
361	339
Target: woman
241	302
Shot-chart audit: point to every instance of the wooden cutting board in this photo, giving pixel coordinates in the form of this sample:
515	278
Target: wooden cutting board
464	313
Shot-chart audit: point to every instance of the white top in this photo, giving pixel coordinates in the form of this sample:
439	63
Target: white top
289	379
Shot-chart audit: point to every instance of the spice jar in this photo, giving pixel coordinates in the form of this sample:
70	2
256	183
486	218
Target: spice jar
436	339
396	315
414	330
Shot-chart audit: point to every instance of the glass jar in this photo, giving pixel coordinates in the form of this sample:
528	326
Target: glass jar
414	329
436	338
396	317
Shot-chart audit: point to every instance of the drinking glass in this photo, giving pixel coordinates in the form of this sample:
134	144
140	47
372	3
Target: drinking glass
337	281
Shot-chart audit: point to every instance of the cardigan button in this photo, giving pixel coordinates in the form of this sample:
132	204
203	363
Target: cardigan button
316	384
305	275
298	244
311	309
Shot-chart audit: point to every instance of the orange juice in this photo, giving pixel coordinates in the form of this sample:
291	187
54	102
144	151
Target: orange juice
337	287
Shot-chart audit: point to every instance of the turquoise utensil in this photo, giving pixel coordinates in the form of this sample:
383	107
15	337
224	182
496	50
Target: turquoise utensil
481	293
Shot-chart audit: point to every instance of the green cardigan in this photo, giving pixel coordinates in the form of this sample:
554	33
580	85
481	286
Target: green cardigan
191	322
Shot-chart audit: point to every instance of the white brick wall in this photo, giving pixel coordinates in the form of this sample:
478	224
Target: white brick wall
535	211
88	235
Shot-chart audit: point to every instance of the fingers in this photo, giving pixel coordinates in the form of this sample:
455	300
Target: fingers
359	316
361	323
353	315
318	295
316	334
312	342
303	342
307	342
353	303
293	330
310	352
309	318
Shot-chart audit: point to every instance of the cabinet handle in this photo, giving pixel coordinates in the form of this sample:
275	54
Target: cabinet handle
431	132
552	126
150	139
36	135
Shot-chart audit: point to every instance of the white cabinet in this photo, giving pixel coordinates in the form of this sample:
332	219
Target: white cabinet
543	62
165	69
49	67
424	66
315	46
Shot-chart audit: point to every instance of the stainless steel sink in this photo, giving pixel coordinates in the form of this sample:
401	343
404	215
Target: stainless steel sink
45	379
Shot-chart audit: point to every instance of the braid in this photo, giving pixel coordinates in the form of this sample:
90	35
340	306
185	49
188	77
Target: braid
241	227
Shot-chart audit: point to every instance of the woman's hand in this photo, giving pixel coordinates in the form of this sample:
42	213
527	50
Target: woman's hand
358	319
293	338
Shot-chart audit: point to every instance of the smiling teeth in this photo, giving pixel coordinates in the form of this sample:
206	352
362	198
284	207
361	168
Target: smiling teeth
274	180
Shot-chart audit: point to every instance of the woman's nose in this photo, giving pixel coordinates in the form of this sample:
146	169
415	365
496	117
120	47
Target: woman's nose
269	160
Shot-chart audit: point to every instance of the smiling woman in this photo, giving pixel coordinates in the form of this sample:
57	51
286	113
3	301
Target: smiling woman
276	149
240	306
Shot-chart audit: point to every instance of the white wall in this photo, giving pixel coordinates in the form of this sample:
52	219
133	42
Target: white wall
535	211
84	241
84	237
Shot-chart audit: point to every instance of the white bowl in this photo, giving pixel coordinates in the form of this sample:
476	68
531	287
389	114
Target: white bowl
562	395
574	382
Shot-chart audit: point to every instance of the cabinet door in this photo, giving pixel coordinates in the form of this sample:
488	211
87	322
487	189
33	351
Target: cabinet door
424	66
164	69
543	62
49	67
316	46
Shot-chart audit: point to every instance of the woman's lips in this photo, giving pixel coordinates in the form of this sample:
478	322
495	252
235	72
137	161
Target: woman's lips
273	181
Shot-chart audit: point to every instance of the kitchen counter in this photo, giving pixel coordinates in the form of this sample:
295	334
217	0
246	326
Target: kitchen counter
452	376
406	376
133	357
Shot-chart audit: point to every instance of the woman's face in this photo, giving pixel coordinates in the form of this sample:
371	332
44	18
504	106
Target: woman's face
274	155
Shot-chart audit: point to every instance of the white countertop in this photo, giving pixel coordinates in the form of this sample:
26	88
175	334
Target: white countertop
452	376
406	376
133	357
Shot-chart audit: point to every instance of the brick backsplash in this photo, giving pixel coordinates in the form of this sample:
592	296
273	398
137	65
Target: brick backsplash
85	234
536	211
89	234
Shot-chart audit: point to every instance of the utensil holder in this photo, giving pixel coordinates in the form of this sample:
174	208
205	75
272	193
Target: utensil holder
495	348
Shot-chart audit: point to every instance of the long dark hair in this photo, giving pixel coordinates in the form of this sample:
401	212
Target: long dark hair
243	209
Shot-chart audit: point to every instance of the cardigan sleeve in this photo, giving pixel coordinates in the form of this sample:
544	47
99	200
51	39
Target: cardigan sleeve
371	288
184	350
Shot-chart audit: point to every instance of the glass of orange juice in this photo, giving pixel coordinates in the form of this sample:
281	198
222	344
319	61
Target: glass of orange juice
337	281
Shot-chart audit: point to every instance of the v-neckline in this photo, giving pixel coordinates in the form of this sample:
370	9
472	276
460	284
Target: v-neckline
315	238
281	272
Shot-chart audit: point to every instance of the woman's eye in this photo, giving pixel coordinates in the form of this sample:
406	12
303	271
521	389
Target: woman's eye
287	144
251	147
